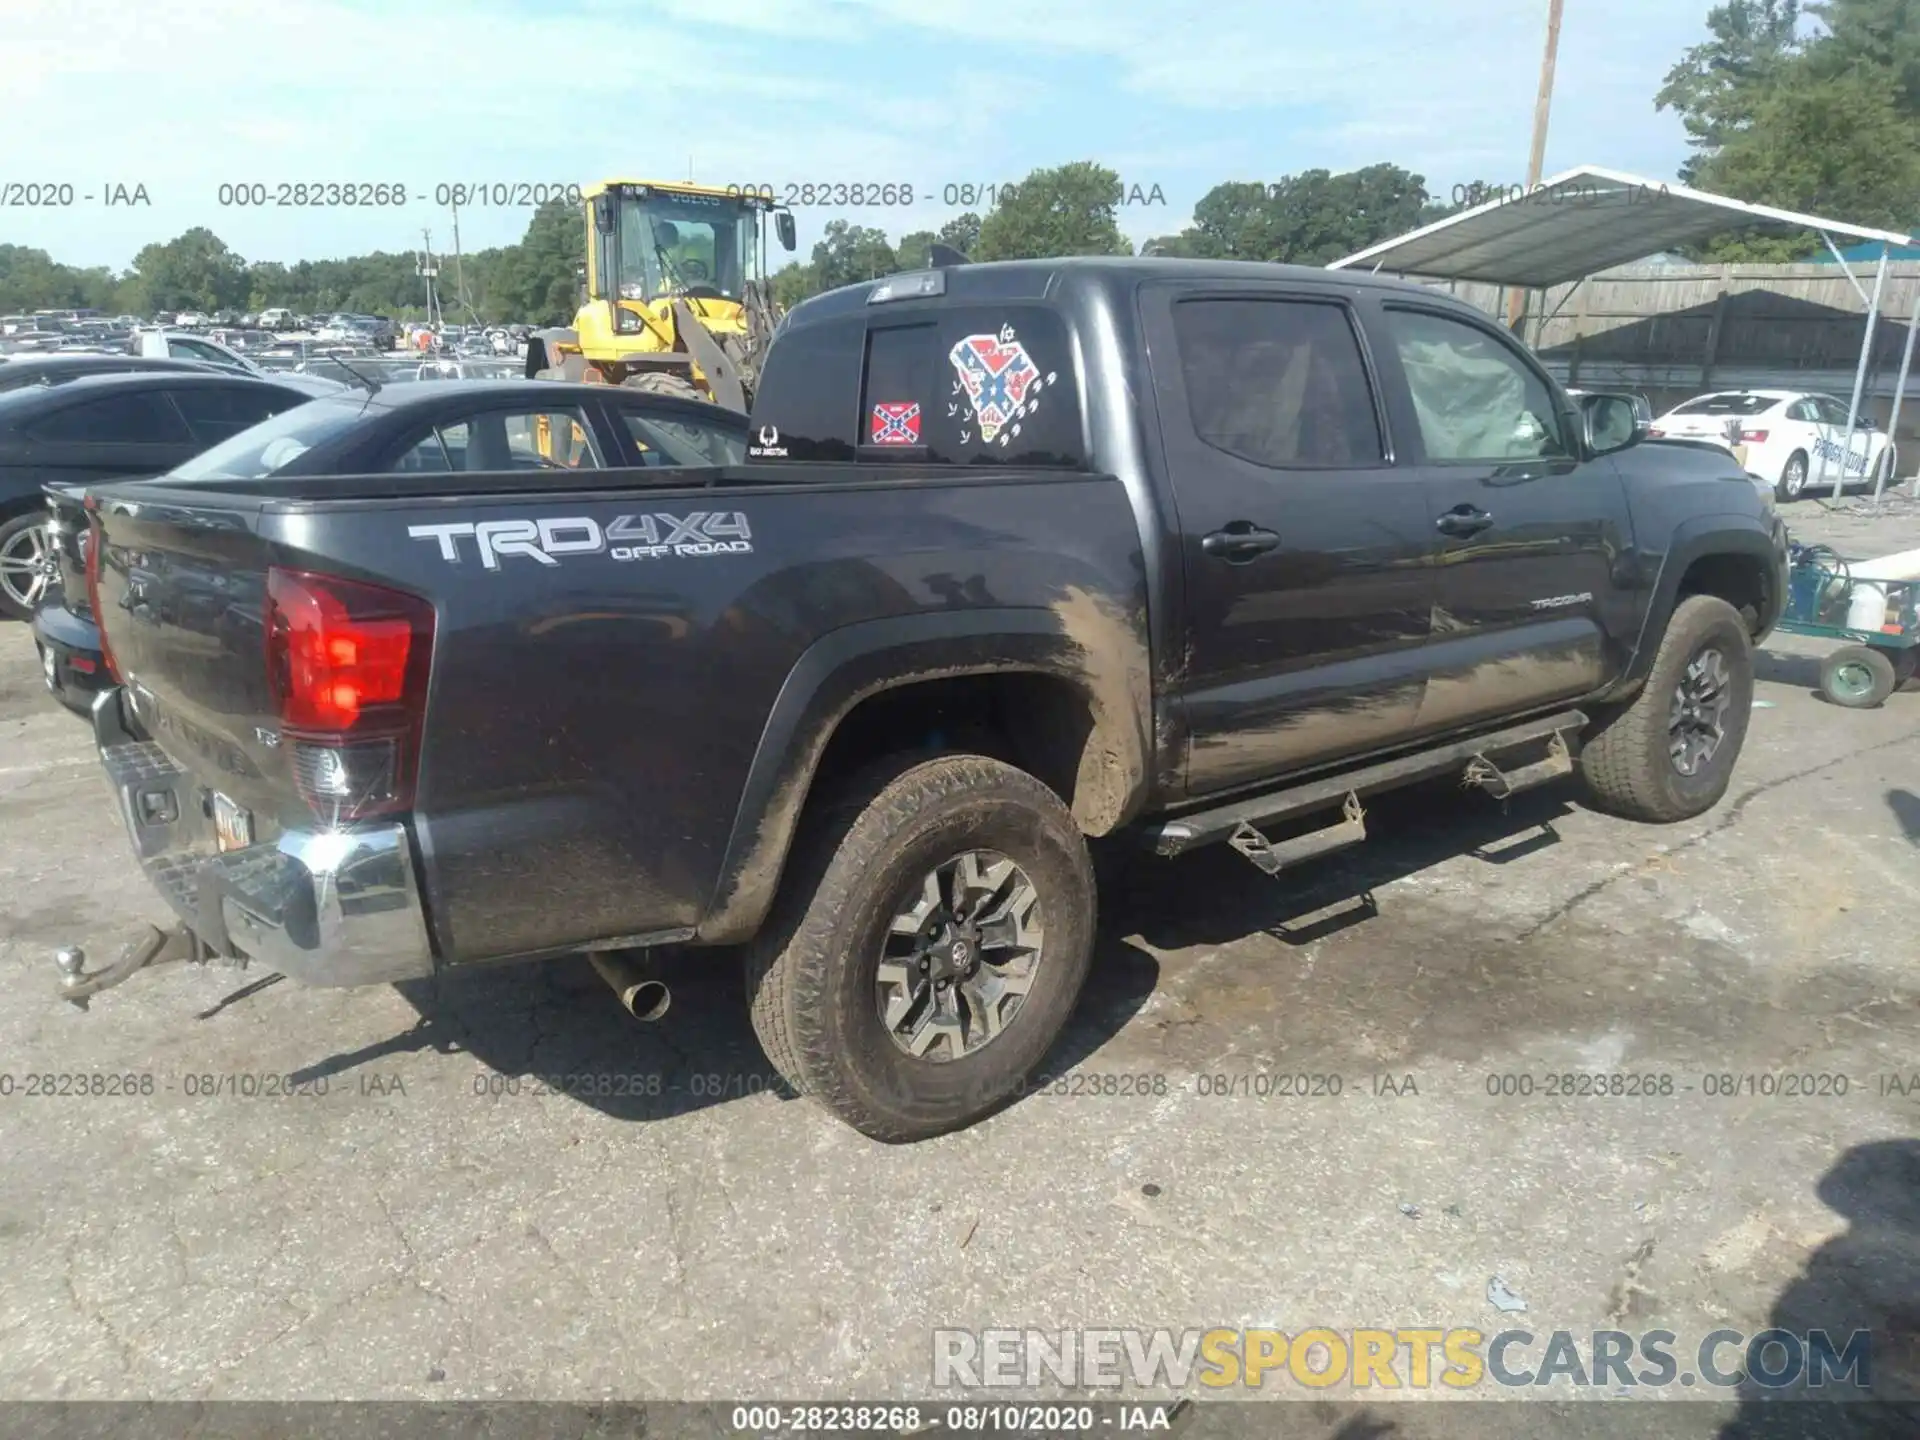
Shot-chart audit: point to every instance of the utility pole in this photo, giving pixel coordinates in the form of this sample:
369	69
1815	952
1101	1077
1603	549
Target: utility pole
461	297
1537	158
427	270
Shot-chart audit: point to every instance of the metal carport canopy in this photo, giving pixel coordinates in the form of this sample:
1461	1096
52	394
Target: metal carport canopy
1576	224
1589	219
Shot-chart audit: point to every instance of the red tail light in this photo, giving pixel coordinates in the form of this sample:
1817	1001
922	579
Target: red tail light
347	663
90	547
1753	437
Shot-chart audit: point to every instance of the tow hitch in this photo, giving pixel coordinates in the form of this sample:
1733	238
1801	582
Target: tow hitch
78	987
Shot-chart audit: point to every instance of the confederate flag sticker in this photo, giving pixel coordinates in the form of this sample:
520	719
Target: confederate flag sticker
894	423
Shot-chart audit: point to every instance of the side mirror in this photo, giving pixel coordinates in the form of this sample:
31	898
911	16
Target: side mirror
783	227
603	214
1613	422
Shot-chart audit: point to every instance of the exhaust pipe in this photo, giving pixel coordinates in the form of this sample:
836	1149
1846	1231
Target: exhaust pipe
643	994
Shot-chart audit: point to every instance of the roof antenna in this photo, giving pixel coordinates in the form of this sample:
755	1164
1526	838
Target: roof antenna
371	382
939	256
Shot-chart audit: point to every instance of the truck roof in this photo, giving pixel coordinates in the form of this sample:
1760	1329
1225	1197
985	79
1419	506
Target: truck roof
1000	280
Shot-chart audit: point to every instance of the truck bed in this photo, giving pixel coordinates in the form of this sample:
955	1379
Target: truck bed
621	681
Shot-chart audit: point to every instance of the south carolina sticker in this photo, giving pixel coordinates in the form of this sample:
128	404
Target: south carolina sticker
1000	383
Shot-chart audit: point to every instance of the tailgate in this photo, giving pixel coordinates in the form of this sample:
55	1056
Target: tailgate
66	505
181	594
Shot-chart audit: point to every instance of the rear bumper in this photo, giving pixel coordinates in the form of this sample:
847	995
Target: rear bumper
326	907
77	672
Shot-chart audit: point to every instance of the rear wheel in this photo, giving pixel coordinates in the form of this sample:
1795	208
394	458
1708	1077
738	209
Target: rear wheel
929	946
1669	755
27	565
1793	478
664	382
1858	677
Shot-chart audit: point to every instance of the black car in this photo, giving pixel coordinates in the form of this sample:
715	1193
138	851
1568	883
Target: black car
402	428
57	438
21	371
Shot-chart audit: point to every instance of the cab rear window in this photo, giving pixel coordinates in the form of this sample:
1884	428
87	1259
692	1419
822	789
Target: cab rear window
966	385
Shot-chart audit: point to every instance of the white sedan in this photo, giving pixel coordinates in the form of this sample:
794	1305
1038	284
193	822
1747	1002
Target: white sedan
1791	437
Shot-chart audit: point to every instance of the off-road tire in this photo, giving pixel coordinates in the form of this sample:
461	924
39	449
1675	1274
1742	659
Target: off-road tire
1625	760
810	973
1785	488
664	382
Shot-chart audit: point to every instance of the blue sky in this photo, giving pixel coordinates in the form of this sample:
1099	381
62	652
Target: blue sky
183	95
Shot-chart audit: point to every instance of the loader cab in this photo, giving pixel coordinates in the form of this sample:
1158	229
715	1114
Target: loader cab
652	242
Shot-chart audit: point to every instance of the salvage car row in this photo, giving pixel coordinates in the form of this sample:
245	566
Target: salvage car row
1005	561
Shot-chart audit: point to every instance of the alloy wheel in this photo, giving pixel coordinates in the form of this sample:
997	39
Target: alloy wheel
960	956
1696	722
1796	476
27	565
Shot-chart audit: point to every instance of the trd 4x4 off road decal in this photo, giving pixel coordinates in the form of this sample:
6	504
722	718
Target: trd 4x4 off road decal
630	537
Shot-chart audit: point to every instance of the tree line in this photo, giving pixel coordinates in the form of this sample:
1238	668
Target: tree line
531	280
1822	118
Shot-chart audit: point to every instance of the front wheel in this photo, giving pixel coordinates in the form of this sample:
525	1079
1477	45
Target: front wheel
928	947
1669	755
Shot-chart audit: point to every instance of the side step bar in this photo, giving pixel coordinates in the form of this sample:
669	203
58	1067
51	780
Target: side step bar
1501	783
1350	829
1232	822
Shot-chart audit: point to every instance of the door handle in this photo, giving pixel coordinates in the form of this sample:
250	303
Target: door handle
1463	520
1240	542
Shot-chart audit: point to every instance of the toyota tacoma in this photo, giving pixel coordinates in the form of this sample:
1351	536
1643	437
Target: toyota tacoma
1021	555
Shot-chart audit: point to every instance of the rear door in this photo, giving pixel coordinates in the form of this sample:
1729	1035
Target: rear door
1305	544
1529	532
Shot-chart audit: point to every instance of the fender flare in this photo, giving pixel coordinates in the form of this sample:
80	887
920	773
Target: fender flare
1693	539
855	663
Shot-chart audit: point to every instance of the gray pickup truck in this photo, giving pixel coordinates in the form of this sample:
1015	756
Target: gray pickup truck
1021	555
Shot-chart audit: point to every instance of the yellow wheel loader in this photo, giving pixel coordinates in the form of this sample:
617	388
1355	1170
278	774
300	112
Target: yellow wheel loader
674	295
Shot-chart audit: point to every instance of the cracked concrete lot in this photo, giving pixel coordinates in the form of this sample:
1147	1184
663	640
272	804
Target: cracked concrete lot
427	1217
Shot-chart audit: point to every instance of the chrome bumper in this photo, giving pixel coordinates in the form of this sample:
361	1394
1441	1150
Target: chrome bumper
326	907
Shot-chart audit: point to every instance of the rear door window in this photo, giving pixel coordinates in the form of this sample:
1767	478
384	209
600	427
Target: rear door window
546	439
1278	382
218	413
142	417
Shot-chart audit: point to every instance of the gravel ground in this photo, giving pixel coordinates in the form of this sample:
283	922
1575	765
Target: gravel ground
405	1227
